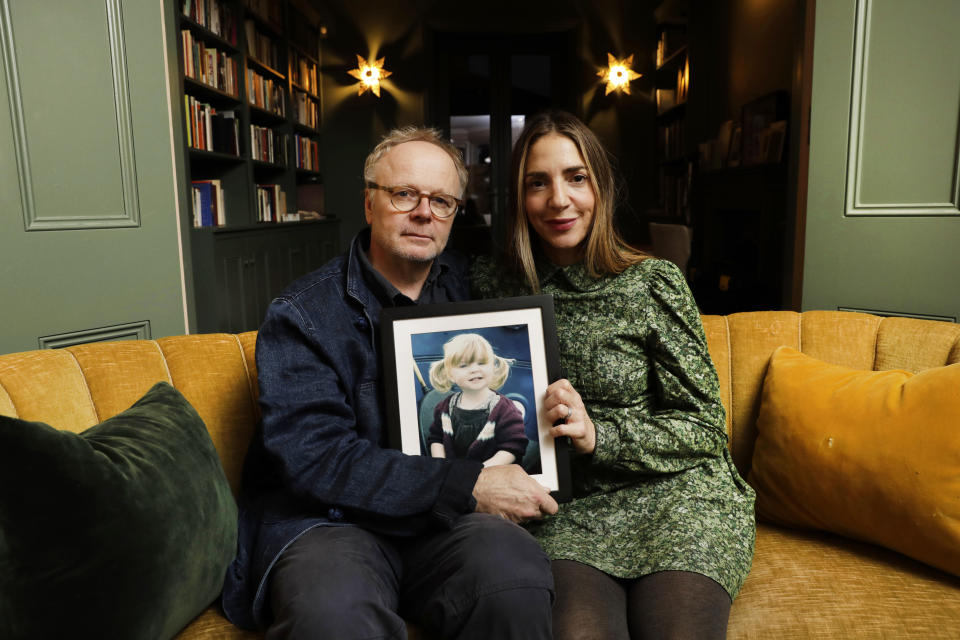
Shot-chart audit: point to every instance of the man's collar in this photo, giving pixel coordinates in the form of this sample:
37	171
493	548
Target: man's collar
383	289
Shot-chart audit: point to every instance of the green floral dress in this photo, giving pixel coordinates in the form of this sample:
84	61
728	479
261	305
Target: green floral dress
660	492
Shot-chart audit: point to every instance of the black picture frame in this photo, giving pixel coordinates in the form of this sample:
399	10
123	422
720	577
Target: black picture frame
522	329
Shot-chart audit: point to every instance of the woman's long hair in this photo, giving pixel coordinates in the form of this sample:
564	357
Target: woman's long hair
607	253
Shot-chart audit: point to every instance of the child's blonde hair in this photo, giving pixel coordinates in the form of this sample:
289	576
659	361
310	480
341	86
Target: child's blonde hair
464	348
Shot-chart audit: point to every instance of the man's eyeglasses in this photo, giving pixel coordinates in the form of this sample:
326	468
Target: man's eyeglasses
406	199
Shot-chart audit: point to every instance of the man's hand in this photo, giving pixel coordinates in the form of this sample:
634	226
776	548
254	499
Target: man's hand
507	491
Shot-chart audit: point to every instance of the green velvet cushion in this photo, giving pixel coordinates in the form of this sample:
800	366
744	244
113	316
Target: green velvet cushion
123	531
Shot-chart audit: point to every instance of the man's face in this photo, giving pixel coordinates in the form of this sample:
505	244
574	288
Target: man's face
415	236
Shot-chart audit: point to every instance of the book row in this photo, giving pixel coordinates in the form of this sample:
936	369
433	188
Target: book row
674	194
271	203
670	140
302	33
268	145
214	15
262	47
683	80
308	153
305	110
671	40
208	209
209	65
303	72
209	129
265	93
270	11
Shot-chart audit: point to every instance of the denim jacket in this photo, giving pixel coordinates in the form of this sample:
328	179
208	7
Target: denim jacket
318	457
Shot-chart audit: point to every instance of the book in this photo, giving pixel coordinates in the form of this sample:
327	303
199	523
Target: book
666	99
205	189
271	203
215	15
307	153
208	207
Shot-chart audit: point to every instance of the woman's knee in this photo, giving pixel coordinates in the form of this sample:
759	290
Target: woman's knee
591	605
678	604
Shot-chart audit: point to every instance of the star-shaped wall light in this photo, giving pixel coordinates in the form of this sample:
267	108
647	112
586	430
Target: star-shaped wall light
369	74
618	74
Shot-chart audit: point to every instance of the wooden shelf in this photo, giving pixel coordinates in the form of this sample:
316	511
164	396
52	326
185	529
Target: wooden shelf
260	226
305	91
260	66
202	89
217	156
673	59
208	35
675	111
262	114
239	266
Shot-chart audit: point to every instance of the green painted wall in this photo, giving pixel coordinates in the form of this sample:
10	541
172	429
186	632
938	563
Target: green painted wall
883	226
89	245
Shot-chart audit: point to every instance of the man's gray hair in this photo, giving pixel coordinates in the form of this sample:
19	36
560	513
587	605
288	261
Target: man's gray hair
413	133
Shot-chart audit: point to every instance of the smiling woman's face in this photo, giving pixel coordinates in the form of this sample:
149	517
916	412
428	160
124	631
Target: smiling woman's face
558	197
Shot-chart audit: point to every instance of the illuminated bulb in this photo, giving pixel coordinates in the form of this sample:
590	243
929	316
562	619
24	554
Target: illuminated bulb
618	74
369	74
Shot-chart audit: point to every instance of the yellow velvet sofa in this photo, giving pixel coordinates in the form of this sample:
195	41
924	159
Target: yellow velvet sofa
803	584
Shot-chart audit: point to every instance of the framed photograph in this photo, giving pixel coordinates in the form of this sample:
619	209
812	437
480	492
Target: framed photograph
467	380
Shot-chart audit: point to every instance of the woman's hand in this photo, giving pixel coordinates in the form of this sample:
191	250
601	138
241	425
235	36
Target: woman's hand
563	404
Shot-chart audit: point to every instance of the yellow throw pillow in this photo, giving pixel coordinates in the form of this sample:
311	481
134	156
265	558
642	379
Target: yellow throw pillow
872	455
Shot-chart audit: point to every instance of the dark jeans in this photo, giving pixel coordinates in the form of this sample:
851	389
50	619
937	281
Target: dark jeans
484	578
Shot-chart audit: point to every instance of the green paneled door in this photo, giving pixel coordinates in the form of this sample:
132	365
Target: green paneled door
89	245
883	226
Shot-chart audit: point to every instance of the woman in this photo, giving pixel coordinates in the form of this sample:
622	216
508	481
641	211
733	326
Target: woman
659	535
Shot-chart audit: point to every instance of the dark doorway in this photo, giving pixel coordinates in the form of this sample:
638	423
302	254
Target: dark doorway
485	88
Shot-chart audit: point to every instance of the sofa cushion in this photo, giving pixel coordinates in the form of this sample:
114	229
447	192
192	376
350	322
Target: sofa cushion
122	531
872	455
820	586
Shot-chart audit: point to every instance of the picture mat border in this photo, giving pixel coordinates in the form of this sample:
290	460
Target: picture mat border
399	324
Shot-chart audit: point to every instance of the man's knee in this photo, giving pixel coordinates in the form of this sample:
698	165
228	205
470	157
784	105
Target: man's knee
485	578
516	608
335	583
500	554
331	611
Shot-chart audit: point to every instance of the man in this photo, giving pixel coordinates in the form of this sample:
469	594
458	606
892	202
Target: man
343	538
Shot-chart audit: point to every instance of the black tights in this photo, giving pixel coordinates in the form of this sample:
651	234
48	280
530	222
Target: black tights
669	604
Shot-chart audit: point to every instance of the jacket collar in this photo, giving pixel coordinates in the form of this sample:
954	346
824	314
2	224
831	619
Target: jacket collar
357	287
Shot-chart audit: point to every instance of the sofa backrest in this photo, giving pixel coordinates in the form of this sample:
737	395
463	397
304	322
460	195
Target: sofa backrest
741	344
76	387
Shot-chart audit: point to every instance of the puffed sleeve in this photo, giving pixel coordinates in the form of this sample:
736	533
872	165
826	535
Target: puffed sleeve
672	419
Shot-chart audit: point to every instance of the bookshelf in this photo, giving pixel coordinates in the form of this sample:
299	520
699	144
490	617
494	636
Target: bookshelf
737	143
249	92
674	162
